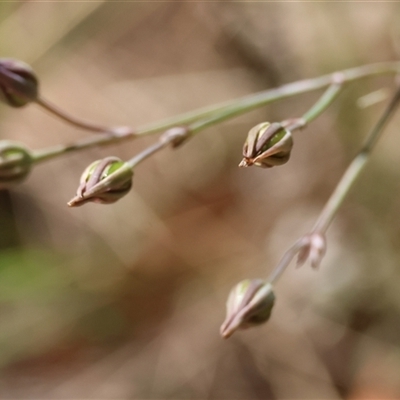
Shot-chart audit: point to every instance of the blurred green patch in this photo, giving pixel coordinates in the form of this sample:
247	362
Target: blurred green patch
31	273
103	324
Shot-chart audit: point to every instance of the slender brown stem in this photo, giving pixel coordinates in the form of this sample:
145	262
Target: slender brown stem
78	122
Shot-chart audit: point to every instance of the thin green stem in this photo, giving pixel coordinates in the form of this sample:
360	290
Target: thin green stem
174	137
317	109
342	189
146	153
101	139
354	169
208	116
324	101
252	102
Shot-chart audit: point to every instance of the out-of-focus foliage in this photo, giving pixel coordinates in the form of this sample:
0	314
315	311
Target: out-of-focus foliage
125	301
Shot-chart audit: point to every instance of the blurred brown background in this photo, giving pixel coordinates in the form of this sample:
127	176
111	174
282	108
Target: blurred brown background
125	301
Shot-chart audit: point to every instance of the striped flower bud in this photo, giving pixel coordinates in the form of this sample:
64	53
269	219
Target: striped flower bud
18	82
249	304
267	145
104	181
15	163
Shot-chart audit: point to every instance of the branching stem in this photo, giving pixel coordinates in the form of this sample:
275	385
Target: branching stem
205	117
354	169
342	189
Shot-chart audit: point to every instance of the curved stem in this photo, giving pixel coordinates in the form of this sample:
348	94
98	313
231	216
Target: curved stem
325	100
78	122
285	261
317	109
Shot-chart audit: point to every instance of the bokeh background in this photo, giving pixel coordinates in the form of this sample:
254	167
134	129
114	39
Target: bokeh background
125	301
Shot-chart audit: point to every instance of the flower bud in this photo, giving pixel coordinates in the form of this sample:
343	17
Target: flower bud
314	249
15	163
104	181
249	304
267	145
18	82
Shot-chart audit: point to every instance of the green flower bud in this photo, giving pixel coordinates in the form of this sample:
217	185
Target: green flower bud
104	181
267	145
15	163
18	83
249	304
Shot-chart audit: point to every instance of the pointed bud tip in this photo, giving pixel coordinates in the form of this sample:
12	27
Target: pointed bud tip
104	181
245	163
75	202
249	304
